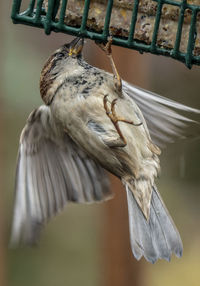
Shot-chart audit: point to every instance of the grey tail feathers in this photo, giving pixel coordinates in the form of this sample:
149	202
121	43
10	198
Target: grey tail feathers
156	238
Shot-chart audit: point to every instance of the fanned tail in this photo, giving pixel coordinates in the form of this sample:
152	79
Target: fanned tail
156	238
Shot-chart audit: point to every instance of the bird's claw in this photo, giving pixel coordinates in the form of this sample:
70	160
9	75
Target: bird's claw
106	47
111	113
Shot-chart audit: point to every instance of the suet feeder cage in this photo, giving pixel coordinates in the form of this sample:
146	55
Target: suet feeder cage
162	27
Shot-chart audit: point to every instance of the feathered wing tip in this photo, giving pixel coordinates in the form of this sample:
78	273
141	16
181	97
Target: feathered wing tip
167	120
157	238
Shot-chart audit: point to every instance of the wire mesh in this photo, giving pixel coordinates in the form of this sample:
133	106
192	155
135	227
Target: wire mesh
36	15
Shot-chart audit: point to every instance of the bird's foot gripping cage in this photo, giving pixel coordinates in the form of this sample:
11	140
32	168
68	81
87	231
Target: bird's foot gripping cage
162	27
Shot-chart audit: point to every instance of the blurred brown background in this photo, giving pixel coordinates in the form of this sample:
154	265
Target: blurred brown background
88	245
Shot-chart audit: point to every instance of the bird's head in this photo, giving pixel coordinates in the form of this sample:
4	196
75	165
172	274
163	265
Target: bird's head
74	48
68	51
63	58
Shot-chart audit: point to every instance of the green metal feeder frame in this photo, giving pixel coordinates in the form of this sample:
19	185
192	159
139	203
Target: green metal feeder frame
37	16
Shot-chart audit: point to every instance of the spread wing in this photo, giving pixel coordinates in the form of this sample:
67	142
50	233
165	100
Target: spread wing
167	120
51	170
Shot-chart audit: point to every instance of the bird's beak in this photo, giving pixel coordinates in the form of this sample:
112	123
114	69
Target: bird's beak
76	47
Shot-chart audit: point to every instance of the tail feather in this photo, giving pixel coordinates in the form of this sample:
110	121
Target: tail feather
156	238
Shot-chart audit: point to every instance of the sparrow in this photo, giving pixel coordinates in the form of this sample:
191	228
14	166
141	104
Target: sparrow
93	121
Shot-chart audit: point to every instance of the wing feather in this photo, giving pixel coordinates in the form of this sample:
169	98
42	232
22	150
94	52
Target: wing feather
163	116
51	170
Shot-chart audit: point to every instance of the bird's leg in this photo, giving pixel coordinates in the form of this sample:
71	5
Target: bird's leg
115	119
107	49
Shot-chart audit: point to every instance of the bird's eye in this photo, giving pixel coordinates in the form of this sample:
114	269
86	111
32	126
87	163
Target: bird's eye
59	55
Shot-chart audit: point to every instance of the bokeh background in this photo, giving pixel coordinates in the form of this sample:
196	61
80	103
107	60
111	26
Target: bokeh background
84	245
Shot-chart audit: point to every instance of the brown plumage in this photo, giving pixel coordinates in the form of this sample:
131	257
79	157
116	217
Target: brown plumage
65	144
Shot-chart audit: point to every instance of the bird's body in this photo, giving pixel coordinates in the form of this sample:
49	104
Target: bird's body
89	123
78	105
83	116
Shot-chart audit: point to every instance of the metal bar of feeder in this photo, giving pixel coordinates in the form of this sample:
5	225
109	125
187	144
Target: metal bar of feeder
107	20
133	22
47	24
191	40
179	29
62	13
15	9
85	17
38	10
156	26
